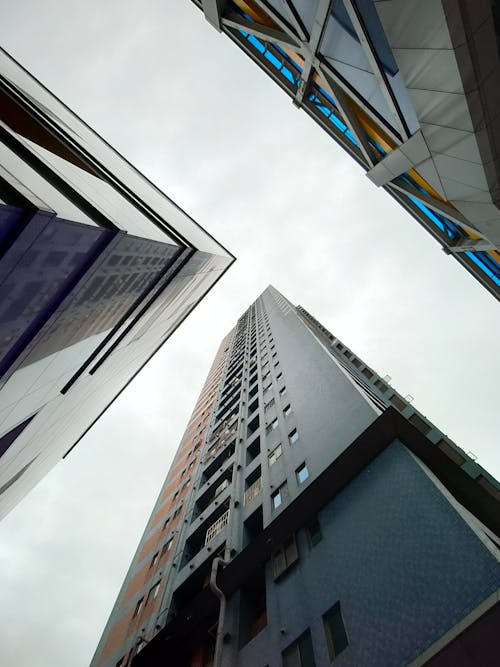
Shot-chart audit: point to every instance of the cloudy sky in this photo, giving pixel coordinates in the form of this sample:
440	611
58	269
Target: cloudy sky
207	126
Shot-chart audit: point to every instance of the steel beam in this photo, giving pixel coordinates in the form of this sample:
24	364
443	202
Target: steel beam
467	245
312	47
349	117
296	20
430	201
366	43
234	20
213	10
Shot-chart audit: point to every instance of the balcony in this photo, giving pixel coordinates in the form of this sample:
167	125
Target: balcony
217	460
253	491
212	491
220	445
217	527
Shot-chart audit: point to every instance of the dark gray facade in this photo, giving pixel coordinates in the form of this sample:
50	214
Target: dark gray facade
311	514
97	269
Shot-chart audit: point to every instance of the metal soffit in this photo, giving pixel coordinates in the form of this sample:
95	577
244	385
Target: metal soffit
364	106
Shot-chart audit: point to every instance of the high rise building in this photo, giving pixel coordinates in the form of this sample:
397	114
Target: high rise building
408	88
310	511
97	269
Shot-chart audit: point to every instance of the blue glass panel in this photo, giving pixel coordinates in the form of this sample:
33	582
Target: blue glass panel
256	43
272	59
286	72
477	258
286	57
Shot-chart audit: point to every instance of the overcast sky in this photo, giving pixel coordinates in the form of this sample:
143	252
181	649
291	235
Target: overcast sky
184	105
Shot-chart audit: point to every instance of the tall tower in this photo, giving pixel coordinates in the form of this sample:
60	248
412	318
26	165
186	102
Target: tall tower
310	511
97	269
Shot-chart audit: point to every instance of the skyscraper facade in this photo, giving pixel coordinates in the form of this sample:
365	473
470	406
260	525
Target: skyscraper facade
408	88
97	269
311	512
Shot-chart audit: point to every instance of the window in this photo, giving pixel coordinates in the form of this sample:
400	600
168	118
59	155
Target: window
300	653
314	534
138	607
293	436
167	546
278	496
279	375
269	404
285	557
302	473
275	454
253	426
221	487
282	391
253	609
270	427
397	402
153	593
381	386
154	559
336	637
287	410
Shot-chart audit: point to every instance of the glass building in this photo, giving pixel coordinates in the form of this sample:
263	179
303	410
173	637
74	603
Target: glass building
408	88
310	513
97	269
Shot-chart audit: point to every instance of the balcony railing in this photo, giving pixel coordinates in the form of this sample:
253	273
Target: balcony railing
219	444
217	527
253	491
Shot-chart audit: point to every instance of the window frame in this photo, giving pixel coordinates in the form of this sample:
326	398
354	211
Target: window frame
271	456
279	493
334	651
138	607
284	557
297	656
302	467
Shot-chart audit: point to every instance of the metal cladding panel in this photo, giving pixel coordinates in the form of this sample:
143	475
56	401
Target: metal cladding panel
396	554
62	419
97	269
62	140
376	74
